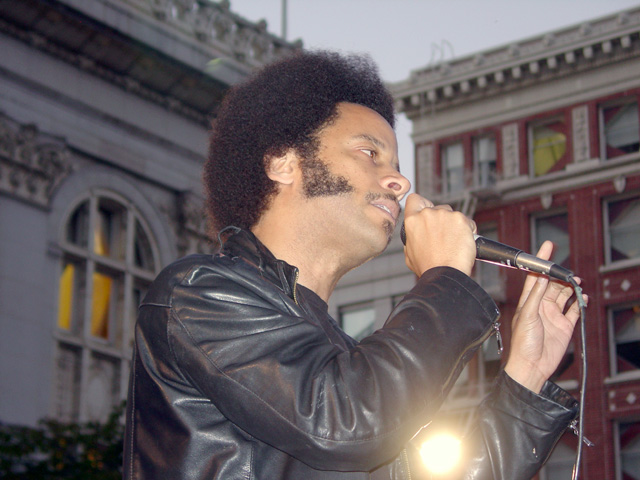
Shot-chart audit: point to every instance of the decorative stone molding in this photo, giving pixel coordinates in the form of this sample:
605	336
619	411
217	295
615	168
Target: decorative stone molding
510	151
31	164
214	23
545	57
580	125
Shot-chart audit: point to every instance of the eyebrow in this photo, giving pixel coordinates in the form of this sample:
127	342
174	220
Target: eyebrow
377	142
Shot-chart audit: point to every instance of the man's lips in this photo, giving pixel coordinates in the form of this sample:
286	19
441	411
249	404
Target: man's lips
392	208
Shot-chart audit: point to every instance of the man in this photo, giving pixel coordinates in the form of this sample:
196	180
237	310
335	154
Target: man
240	373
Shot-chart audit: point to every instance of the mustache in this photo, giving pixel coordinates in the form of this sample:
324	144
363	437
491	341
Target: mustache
371	196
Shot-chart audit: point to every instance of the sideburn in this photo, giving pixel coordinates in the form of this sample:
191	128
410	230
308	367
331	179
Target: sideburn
320	182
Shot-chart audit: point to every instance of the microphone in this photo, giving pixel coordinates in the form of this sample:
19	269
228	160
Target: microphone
503	255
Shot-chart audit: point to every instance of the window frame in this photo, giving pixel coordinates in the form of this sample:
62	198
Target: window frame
444	160
477	176
613	344
606	232
601	107
117	347
565	159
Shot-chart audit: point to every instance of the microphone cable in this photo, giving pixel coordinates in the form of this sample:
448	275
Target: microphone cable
579	430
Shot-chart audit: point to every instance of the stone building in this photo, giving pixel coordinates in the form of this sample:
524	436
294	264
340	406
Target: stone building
539	139
104	112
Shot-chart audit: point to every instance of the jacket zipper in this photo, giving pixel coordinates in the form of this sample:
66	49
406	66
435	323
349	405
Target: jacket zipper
495	329
295	286
405	457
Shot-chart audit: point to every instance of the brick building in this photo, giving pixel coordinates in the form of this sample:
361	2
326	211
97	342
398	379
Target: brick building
539	139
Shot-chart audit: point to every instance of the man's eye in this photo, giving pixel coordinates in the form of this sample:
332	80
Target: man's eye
371	153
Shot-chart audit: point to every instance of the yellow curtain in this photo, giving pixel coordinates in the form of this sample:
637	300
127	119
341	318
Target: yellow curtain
65	299
548	148
101	291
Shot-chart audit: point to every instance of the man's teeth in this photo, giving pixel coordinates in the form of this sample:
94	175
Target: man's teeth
385	209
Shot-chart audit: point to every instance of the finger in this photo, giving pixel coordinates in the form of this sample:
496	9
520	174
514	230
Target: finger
416	203
533	299
529	283
544	252
444	207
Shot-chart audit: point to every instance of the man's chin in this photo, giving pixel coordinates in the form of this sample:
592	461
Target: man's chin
389	228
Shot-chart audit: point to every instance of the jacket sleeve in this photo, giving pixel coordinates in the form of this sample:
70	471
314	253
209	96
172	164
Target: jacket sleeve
275	375
514	433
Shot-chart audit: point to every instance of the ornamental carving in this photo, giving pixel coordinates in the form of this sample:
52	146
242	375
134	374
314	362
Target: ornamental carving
215	23
31	163
580	124
510	151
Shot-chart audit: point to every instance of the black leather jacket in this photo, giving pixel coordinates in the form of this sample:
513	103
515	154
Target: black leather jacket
239	373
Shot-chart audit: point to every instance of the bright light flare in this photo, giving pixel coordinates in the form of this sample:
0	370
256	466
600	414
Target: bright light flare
441	453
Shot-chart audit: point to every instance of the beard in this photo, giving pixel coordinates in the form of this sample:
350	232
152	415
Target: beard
318	181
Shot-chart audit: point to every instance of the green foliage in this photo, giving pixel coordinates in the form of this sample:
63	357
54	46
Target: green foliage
57	450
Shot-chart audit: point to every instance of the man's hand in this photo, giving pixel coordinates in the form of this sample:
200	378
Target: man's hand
540	331
437	236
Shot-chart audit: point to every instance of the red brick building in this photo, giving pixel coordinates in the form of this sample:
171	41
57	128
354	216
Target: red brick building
540	140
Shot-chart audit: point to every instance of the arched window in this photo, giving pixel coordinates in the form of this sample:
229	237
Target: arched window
109	258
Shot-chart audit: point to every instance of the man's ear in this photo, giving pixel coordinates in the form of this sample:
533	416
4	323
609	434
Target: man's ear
282	169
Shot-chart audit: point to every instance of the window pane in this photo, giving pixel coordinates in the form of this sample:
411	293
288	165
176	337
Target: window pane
143	255
78	226
626	331
621	129
556	229
453	167
110	236
485	161
103	386
358	322
549	145
67	383
71	296
630	450
106	304
624	229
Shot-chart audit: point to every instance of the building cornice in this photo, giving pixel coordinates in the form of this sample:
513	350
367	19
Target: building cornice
180	54
544	57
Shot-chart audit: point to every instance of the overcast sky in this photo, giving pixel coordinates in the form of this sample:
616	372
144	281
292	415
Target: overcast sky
403	35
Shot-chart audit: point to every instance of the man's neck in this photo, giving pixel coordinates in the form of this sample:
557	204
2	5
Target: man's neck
320	268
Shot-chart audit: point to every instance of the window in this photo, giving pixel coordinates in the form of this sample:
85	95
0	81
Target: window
358	321
108	261
622	223
624	334
629	448
620	129
484	161
554	228
453	168
547	146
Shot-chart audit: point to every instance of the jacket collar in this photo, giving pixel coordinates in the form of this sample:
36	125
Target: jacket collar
236	242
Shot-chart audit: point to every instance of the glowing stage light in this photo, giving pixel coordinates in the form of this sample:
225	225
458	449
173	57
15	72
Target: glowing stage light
441	453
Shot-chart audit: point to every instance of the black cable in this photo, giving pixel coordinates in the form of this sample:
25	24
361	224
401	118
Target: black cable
583	352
